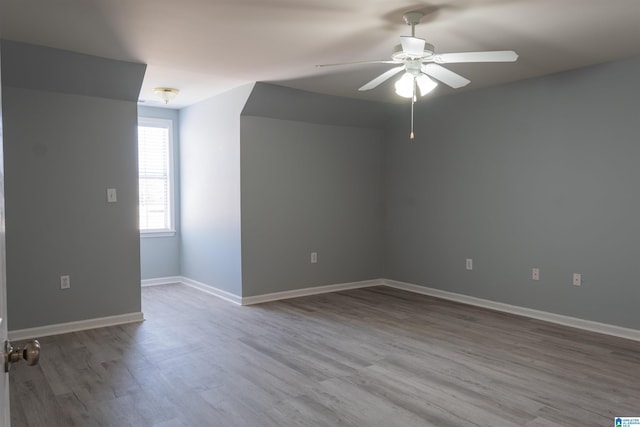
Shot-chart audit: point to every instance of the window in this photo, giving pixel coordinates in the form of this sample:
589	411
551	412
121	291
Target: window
155	176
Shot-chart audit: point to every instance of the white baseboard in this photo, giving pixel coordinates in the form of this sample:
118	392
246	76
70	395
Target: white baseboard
213	291
573	322
275	296
588	325
172	280
64	328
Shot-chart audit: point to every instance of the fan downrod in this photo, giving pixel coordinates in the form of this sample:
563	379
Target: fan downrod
413	19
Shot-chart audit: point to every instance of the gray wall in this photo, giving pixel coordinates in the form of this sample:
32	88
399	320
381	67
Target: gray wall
160	256
64	145
309	187
210	190
312	174
541	173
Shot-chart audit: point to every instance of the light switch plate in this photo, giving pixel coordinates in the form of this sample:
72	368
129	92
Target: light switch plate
65	282
112	196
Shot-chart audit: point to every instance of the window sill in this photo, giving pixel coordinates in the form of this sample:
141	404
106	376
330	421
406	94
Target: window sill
147	234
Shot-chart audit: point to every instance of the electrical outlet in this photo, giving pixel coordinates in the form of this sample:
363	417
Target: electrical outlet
577	279
65	282
535	274
314	257
469	264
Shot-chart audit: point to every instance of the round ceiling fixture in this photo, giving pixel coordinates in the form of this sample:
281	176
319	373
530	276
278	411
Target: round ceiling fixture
167	94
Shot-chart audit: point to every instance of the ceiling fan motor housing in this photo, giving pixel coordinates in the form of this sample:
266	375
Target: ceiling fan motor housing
399	55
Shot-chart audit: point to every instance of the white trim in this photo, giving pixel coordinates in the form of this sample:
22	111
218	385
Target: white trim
587	325
150	234
162	281
228	296
64	328
275	296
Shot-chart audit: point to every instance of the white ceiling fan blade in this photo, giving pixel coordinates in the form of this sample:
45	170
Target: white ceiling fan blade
382	78
412	46
357	63
492	56
447	77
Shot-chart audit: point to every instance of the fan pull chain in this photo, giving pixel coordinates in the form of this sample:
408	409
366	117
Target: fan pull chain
413	100
411	134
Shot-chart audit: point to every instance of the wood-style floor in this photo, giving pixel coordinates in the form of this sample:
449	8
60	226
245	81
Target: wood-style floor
368	357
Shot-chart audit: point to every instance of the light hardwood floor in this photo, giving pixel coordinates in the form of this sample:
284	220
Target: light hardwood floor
367	357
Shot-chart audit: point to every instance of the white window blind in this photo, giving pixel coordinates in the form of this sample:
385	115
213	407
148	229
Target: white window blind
154	172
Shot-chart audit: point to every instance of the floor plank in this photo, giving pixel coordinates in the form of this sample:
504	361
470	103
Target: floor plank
364	357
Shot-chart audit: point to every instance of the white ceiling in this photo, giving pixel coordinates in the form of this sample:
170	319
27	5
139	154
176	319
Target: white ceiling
205	47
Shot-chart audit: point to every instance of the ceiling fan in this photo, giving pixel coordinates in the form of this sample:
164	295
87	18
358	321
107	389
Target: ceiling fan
420	64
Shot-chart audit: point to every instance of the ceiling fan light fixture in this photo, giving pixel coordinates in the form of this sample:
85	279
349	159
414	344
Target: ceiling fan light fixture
422	66
425	84
167	94
404	86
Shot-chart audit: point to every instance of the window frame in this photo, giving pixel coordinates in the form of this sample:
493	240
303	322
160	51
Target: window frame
165	124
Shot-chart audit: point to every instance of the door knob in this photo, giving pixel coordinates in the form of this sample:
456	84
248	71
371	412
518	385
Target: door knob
30	353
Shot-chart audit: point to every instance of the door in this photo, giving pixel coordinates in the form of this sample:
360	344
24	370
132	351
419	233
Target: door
30	352
4	378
